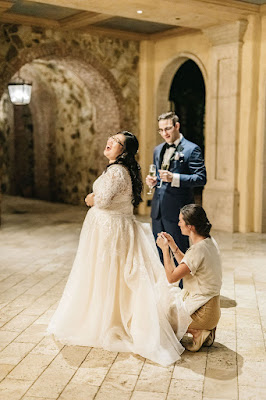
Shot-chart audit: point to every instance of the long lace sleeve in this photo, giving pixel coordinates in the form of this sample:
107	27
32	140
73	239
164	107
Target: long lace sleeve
113	183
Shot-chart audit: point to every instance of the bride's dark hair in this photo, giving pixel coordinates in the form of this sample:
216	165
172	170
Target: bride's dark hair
127	158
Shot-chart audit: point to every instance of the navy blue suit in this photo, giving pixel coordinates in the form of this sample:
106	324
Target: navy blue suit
167	200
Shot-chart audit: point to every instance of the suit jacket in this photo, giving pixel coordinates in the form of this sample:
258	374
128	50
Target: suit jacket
168	200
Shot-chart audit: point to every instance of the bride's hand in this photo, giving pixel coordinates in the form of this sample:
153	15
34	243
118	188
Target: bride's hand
162	241
89	199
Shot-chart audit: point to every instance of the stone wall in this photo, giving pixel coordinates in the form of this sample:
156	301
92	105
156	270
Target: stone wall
5	129
84	88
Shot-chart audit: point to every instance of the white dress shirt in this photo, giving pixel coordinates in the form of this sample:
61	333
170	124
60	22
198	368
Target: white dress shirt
166	159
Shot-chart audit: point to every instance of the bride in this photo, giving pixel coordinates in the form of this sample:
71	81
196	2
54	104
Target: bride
117	296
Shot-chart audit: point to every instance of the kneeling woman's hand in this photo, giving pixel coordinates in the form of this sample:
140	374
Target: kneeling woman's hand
170	240
162	241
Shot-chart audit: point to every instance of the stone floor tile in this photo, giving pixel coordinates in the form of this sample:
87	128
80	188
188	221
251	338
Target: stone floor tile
214	398
252	393
15	352
19	323
46	316
33	282
138	395
4	370
154	379
35	398
78	391
6	337
127	363
185	389
227	321
88	374
191	366
95	367
33	334
118	381
253	374
31	367
221	357
12	389
47	346
98	357
221	383
59	372
250	349
72	355
113	395
12	281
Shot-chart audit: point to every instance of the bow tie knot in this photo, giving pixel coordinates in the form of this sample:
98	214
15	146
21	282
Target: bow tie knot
170	145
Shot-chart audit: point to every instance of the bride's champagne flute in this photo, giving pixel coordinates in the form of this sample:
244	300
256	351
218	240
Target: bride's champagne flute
152	172
164	166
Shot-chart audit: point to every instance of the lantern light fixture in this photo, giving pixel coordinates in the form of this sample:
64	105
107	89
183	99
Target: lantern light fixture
19	91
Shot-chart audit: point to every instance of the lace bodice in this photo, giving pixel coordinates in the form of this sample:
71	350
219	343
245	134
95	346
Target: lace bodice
113	190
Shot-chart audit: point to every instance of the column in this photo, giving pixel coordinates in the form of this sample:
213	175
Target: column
221	197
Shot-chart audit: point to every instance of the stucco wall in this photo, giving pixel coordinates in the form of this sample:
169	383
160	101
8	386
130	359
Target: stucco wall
234	122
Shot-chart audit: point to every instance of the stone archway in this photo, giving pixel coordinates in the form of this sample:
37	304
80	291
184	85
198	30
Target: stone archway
109	114
62	51
166	78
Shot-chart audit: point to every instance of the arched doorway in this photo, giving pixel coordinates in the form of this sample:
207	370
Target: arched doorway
187	99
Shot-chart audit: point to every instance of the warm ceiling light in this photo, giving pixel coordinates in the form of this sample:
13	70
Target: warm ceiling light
139	11
19	91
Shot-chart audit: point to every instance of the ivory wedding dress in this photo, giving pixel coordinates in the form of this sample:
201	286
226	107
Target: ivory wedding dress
117	296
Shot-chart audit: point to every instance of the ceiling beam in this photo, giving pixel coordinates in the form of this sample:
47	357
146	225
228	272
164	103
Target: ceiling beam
173	32
198	14
27	20
83	19
52	24
5	5
119	34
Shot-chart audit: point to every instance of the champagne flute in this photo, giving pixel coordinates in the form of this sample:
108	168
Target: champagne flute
152	172
165	166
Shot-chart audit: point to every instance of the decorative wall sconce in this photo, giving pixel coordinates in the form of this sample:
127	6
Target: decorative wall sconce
20	91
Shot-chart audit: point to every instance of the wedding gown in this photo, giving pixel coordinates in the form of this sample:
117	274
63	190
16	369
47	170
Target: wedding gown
117	296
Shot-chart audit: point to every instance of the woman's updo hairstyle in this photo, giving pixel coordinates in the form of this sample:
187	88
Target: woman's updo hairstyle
193	214
131	144
127	158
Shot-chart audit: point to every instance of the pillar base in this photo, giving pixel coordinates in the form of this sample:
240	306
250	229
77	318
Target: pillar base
222	207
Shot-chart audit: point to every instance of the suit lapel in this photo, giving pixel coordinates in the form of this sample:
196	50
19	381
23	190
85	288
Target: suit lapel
161	155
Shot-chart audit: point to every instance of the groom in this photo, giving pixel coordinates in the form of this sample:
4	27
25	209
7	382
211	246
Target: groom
174	187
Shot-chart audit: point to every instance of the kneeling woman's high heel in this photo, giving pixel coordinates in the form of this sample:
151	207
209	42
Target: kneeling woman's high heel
198	342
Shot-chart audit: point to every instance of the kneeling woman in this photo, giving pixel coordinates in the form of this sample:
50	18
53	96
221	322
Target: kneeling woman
200	268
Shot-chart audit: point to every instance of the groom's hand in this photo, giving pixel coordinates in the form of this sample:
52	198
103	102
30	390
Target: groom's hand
166	176
151	180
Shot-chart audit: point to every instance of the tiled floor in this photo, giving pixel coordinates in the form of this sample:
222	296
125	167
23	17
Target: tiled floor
37	246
